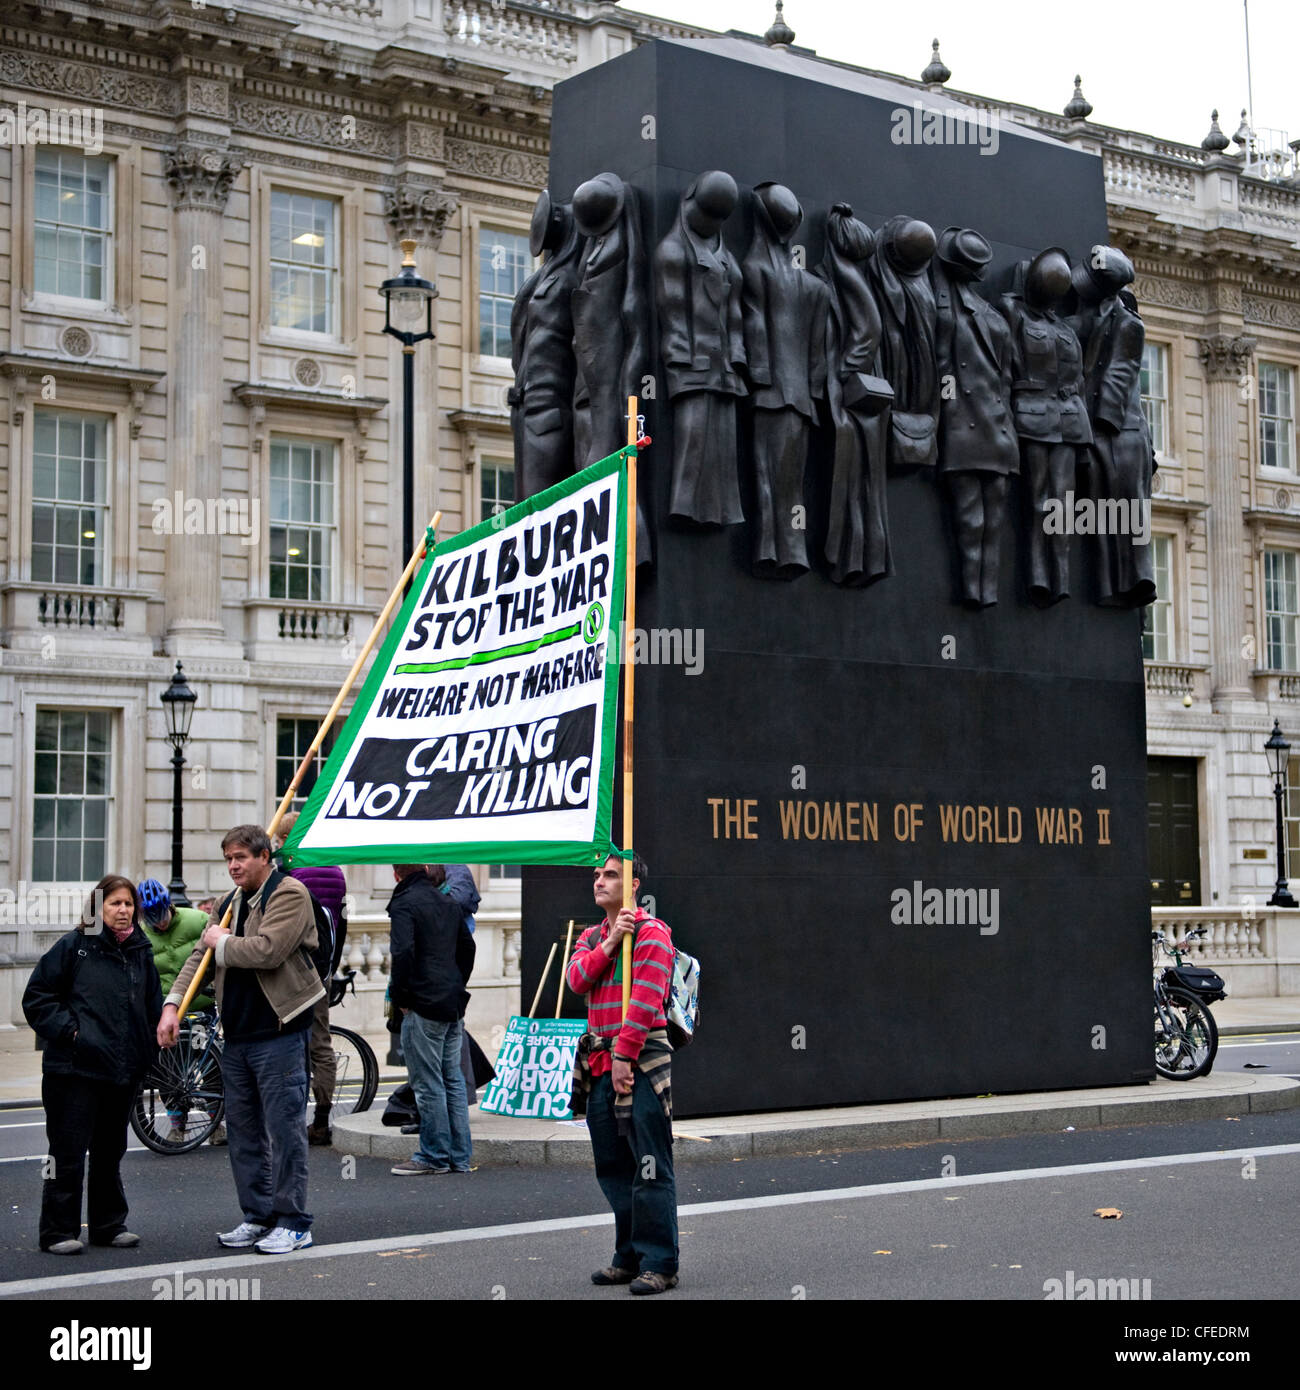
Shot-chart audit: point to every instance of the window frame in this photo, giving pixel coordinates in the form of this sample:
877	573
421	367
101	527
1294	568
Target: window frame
1291	469
480	228
352	272
1166	599
1267	612
313	717
333	273
1161	448
104	508
332	590
108	266
496	462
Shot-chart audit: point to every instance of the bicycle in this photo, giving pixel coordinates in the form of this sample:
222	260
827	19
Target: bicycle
1186	1035
181	1099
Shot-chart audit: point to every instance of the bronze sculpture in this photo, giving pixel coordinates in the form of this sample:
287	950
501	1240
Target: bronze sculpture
897	271
785	311
1119	463
978	448
1049	413
541	337
701	340
858	400
610	313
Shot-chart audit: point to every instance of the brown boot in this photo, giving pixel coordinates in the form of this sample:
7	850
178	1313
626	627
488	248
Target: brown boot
318	1132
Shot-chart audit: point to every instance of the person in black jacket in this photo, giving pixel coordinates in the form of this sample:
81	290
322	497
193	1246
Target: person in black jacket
432	957
95	1000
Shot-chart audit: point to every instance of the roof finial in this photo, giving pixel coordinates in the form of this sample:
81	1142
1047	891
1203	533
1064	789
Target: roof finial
1078	108
1216	140
1242	137
936	73
779	35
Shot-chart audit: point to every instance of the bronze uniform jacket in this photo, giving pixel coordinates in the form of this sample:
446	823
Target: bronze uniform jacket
280	923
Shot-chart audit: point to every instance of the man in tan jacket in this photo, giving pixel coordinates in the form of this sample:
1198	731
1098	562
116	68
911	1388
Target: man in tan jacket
266	985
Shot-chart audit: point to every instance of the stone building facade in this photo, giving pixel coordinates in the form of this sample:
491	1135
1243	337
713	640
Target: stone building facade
200	428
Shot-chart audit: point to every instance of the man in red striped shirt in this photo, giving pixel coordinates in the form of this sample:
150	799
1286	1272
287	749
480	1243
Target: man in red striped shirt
632	1142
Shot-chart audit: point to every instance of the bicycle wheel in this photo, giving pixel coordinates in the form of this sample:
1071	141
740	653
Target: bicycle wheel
356	1077
1187	1042
181	1100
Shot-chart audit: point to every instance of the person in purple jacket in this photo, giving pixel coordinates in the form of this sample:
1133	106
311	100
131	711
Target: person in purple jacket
325	882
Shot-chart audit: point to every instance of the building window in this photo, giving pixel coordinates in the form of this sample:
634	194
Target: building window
504	875
304	262
504	262
73	792
1158	617
302	519
69	497
1291	814
72	225
1276	417
496	487
293	738
1280	608
1155	394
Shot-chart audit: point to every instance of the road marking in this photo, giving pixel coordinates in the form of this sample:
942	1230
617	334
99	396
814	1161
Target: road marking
1224	1045
576	1223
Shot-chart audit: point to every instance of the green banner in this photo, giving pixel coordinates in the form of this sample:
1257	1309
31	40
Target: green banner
485	730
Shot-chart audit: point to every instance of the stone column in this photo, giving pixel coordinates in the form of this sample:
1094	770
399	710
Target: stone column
200	177
1227	360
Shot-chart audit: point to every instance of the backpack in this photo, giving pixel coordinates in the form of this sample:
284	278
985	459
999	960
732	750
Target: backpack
682	1004
323	956
340	937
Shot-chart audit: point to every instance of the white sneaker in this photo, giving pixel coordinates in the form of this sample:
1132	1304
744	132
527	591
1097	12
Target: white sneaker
283	1241
244	1235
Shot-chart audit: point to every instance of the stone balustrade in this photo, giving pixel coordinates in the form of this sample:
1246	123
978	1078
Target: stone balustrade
1254	947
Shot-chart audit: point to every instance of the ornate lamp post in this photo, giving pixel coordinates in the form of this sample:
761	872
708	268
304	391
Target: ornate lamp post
1277	749
178	701
408	317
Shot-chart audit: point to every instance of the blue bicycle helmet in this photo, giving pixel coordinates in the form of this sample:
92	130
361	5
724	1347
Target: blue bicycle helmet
155	903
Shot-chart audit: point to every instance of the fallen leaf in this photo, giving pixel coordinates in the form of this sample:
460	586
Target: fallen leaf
938	1247
1252	1066
1232	1119
952	1199
1108	1213
1015	1266
883	1252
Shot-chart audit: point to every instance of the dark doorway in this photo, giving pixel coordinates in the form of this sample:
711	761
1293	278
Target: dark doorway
1174	846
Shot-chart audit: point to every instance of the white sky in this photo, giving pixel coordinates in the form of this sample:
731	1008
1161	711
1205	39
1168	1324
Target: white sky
1155	66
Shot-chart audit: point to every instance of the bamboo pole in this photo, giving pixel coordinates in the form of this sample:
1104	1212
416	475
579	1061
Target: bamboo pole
348	681
546	970
564	966
629	650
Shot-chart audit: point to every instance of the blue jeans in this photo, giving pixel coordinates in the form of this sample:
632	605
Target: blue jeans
636	1176
266	1128
432	1050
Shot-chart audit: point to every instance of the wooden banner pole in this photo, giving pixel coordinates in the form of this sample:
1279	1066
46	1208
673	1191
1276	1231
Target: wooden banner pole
546	970
564	967
348	681
629	608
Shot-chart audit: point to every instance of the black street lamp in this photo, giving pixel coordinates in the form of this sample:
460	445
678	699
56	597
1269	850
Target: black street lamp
408	317
178	701
1277	749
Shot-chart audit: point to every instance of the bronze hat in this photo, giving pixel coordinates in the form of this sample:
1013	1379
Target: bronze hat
1104	271
964	247
547	230
598	203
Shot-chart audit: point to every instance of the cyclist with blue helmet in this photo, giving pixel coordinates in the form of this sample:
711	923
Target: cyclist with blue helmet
173	932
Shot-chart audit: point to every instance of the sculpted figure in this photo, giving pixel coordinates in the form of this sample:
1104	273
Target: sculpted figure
1047	366
785	311
609	323
978	447
701	340
609	313
902	289
858	398
541	339
1119	464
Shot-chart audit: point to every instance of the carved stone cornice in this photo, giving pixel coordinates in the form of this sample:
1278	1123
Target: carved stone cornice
84	83
1171	293
337	130
418	214
1272	313
492	162
1226	357
200	176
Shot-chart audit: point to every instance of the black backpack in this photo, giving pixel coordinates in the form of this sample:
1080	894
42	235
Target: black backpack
323	956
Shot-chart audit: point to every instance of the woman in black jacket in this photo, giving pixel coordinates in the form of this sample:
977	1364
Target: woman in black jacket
94	999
